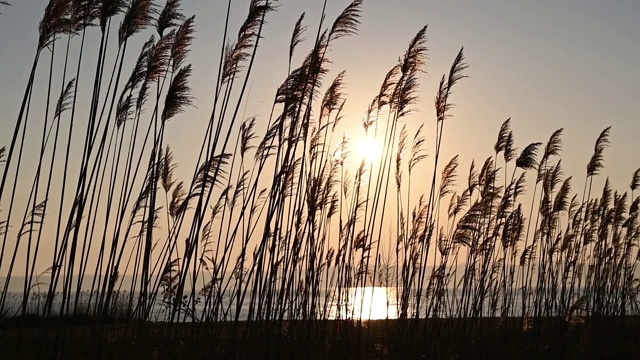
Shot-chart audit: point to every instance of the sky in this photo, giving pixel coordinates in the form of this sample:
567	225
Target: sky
544	64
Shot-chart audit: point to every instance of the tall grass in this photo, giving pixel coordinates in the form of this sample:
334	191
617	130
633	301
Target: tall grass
278	226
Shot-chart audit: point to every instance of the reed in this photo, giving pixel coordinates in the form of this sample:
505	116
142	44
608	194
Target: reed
265	243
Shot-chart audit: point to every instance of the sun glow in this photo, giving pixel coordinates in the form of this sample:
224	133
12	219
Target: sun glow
367	303
369	149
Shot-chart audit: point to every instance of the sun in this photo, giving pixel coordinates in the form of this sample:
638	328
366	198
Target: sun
369	149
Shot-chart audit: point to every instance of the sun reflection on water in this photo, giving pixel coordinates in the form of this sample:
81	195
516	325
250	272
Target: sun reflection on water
367	303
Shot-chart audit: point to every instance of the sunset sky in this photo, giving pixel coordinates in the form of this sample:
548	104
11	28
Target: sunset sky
546	64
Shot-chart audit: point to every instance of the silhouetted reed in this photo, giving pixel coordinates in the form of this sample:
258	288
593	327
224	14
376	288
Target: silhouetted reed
274	229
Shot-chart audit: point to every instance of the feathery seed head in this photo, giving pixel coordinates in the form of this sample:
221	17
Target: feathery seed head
169	17
178	95
597	160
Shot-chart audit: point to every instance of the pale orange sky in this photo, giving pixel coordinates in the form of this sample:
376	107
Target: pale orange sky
546	64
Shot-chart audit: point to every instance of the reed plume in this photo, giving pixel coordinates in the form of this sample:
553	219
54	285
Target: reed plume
170	16
297	36
178	95
139	15
596	163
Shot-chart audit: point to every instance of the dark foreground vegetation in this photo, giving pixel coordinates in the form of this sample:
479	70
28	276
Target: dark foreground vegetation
487	338
250	254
